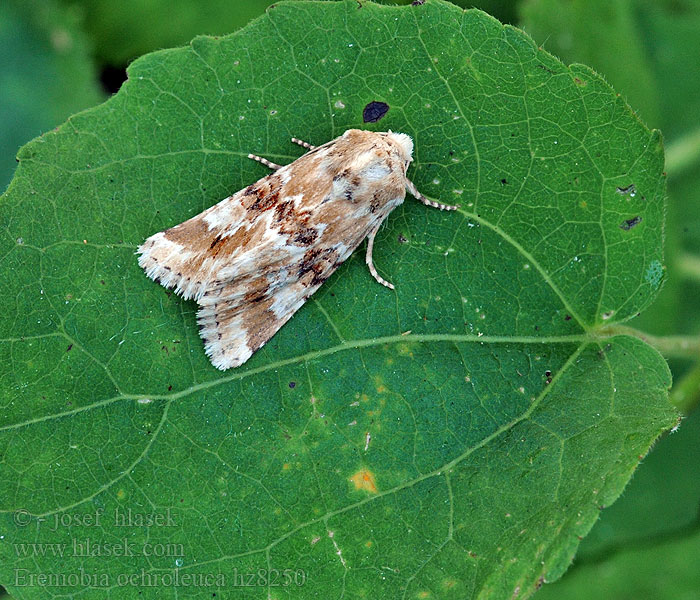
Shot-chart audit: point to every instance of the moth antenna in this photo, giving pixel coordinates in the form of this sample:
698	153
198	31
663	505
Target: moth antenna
303	144
410	186
264	161
368	259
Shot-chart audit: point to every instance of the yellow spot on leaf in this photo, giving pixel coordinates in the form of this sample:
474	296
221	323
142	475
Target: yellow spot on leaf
285	467
379	384
449	583
406	349
121	494
364	480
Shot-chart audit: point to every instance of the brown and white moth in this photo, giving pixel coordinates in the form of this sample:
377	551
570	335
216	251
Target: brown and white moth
254	258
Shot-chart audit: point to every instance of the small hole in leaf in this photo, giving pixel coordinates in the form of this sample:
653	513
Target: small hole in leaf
374	111
629	223
630	190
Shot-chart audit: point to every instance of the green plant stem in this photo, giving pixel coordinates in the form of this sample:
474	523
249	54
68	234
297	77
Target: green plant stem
671	346
689	266
683	153
685	393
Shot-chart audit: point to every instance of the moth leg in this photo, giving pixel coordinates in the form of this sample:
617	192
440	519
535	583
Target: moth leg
265	162
303	144
368	259
410	186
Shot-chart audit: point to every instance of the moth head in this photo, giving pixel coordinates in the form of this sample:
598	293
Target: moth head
404	144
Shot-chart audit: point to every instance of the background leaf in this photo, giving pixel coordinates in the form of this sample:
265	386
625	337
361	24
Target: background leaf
44	59
124	30
464	459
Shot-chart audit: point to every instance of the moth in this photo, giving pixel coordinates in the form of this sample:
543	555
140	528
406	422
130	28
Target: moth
252	260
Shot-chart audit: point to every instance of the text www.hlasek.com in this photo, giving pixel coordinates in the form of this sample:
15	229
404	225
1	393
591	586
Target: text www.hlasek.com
175	578
89	548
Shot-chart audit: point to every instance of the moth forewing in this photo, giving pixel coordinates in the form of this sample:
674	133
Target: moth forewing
253	259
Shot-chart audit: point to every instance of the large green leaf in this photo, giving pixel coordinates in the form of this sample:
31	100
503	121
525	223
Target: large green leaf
454	438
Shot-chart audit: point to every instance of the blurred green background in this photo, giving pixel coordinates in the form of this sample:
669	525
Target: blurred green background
58	57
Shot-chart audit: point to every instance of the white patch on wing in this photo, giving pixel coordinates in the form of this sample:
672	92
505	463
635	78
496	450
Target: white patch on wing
287	300
221	215
225	344
376	172
155	250
285	175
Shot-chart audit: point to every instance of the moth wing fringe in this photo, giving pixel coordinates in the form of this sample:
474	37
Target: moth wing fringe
232	328
167	264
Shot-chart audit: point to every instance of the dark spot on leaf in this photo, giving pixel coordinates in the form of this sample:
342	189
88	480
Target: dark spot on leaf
402	239
545	69
602	351
567	318
292	384
102	281
70	347
504	181
374	111
629	223
580	82
170	388
417	2
630	190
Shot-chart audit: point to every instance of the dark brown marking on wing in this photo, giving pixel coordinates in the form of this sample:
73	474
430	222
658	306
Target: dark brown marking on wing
305	236
375	202
317	265
284	211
